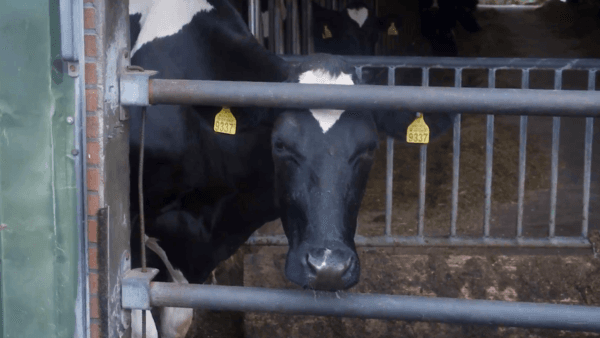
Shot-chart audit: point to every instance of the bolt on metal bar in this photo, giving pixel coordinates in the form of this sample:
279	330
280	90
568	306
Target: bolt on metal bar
417	241
404	99
345	304
554	169
389	176
489	158
587	162
522	159
422	171
455	159
464	62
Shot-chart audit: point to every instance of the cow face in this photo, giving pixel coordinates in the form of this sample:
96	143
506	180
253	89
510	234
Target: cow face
322	160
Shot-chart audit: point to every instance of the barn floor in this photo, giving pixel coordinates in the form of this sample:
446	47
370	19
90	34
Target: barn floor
555	30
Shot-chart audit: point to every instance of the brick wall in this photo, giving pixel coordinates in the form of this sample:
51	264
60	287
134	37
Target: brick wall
95	182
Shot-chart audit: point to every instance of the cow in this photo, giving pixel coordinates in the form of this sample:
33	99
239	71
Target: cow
439	19
205	192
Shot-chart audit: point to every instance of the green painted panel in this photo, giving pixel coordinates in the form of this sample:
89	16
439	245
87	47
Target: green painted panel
38	246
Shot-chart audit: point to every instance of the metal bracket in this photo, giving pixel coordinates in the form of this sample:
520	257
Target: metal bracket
135	292
133	85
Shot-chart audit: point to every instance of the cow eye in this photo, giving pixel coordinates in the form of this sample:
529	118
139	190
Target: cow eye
280	146
364	154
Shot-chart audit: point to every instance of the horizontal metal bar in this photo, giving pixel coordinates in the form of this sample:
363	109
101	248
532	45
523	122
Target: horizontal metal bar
385	241
409	99
379	306
461	62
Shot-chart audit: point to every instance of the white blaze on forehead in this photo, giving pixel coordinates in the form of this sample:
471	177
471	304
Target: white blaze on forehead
359	15
326	117
162	18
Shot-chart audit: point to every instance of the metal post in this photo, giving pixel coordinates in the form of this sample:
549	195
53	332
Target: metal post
587	164
489	152
554	168
522	160
455	159
389	177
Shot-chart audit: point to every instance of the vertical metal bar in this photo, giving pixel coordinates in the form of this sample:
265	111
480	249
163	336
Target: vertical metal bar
252	18
295	28
489	160
306	29
455	159
141	191
334	5
522	159
259	24
587	162
422	170
272	40
389	183
554	169
359	72
289	23
277	31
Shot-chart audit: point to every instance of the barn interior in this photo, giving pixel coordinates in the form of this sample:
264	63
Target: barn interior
520	29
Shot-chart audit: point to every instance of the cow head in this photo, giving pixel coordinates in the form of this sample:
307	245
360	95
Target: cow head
322	160
351	31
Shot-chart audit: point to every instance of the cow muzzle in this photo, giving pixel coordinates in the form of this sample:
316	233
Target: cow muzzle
324	268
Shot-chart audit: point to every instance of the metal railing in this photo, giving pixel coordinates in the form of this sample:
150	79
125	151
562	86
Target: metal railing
137	89
474	100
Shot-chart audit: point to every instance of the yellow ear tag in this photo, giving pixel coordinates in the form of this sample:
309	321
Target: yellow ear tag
225	122
326	33
418	131
392	30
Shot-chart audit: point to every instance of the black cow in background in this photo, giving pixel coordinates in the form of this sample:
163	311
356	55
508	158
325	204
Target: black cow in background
439	18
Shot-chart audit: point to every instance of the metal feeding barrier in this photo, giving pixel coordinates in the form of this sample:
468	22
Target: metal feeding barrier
136	88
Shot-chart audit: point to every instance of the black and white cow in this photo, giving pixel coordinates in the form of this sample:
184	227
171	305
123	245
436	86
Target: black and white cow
206	192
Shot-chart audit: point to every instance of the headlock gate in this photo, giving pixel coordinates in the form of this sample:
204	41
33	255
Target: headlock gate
136	88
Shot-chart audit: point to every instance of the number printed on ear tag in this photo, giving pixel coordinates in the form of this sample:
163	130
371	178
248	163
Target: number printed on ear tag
225	122
418	131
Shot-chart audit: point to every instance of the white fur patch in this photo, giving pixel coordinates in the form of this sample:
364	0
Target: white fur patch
326	117
359	15
162	18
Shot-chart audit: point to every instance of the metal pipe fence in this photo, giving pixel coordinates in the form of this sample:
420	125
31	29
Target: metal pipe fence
343	304
492	65
406	99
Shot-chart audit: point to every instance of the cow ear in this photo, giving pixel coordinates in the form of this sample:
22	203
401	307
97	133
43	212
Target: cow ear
395	123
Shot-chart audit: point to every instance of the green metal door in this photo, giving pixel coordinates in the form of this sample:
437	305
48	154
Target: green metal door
38	191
